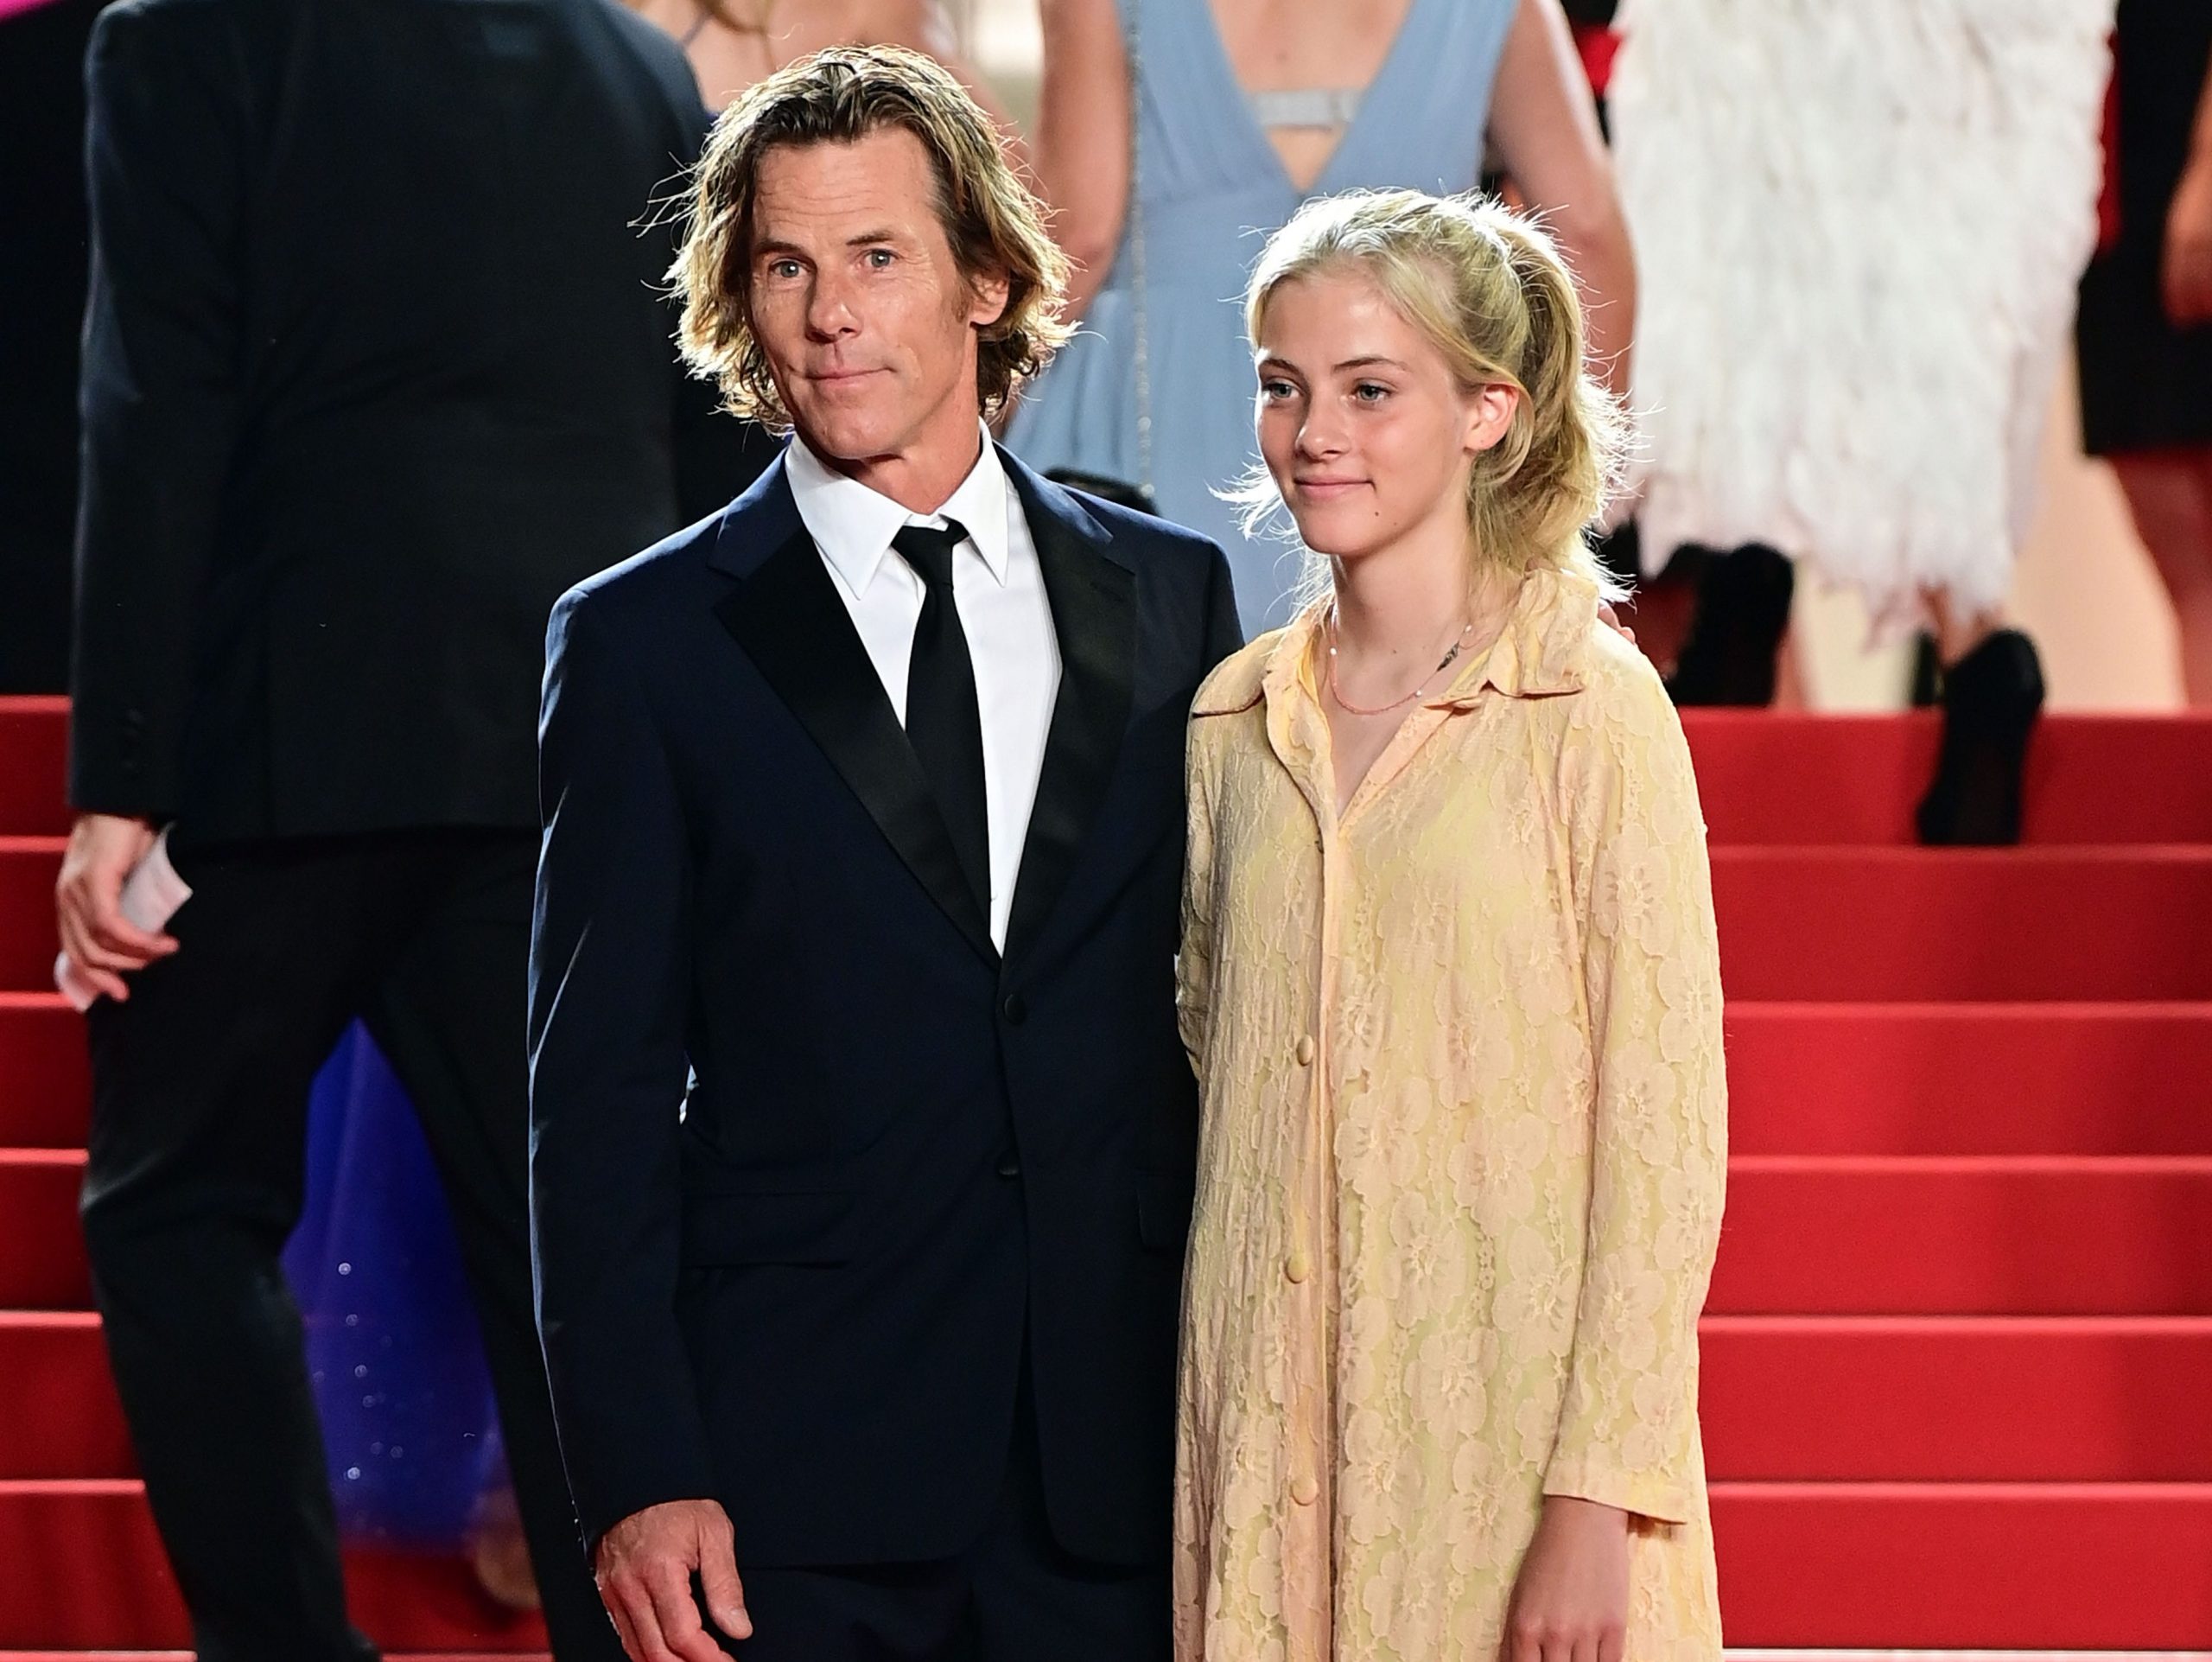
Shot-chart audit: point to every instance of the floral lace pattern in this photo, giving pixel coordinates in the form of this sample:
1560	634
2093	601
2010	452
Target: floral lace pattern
1463	1151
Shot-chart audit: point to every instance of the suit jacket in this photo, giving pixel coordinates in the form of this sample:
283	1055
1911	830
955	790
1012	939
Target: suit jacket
808	1156
376	366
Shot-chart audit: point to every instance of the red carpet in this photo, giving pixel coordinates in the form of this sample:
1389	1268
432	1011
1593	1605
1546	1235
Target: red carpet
1958	1354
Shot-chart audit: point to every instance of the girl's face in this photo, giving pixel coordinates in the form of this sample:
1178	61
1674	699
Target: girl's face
1369	436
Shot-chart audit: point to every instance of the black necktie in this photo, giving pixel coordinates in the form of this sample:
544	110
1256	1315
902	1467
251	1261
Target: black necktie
943	722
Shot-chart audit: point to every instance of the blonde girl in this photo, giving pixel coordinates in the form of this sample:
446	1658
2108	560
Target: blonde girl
1450	983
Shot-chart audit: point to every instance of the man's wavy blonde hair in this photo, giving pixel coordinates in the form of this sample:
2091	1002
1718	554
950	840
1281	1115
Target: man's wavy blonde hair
995	225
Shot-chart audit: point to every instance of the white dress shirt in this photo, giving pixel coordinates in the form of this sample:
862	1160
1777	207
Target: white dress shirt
998	588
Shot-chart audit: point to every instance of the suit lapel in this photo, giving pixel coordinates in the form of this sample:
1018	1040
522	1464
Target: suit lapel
1093	594
787	616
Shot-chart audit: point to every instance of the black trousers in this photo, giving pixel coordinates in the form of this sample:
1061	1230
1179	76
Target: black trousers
1016	1596
196	1168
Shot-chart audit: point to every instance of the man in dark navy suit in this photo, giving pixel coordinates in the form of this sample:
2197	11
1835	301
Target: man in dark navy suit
862	1137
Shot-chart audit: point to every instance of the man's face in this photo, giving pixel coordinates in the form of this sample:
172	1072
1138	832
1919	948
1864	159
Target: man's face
868	325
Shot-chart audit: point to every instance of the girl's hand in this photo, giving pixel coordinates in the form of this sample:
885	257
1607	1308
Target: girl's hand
1570	1601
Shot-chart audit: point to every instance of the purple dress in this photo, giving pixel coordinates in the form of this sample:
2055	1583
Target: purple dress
409	1426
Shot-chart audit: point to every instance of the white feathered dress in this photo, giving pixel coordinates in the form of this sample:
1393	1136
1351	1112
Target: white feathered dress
1858	227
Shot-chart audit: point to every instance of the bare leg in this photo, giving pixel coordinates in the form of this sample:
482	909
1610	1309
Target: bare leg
1958	633
1660	615
1790	674
2169	496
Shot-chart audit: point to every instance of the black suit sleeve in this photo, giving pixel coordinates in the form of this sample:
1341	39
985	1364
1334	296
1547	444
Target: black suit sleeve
166	148
1224	634
609	993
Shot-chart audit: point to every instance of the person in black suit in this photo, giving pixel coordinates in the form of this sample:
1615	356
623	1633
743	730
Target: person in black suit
863	1143
42	301
375	368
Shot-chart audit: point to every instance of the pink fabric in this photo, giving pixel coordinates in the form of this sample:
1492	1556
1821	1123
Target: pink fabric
9	8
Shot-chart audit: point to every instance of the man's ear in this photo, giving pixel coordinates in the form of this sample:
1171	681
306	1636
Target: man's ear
989	292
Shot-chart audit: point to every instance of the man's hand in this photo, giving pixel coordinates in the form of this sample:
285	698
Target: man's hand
100	939
1570	1601
645	1580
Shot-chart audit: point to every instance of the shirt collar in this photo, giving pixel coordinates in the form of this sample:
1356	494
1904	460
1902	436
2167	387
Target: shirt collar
853	524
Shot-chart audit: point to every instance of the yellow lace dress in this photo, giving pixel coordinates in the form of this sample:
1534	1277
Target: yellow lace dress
1462	1156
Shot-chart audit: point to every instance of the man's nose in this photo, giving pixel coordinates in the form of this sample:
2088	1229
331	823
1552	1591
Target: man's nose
829	307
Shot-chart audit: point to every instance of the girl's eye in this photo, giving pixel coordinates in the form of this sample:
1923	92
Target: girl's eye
1277	390
1370	393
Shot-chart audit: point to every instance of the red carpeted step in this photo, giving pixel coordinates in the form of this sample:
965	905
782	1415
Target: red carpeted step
2025	1566
84	1570
63	1418
2089	1400
33	766
1968	1235
28	868
1969	1079
41	1248
186	1656
1768	777
45	1085
1915	925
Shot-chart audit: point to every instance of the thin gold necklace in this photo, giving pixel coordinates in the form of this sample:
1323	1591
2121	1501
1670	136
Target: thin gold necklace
1346	705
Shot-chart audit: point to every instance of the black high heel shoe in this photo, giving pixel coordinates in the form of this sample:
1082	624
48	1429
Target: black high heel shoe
1992	697
1743	608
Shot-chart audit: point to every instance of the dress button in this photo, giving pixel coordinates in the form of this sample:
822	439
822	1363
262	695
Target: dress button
1306	1050
1298	1266
1304	1490
1016	1011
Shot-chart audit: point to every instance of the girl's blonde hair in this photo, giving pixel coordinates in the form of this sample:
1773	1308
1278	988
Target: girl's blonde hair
1490	291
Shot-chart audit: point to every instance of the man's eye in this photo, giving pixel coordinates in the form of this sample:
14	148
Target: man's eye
880	257
784	268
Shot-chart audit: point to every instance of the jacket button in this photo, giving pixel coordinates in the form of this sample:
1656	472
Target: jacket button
1304	1490
1009	1164
1016	1011
1306	1050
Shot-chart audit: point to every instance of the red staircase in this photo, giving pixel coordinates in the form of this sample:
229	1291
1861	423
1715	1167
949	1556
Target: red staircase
81	1572
1958	1353
1958	1382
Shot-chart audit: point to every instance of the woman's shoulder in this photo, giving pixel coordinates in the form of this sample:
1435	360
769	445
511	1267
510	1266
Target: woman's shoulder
1239	681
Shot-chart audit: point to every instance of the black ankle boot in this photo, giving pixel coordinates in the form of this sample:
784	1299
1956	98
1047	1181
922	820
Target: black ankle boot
1743	607
1991	699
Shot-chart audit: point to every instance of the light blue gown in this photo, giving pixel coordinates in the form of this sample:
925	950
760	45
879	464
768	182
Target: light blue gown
1209	190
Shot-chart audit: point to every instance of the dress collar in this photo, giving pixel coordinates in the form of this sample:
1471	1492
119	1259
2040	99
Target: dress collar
1539	653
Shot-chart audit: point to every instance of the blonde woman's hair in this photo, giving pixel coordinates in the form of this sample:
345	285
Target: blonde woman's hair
1490	290
995	225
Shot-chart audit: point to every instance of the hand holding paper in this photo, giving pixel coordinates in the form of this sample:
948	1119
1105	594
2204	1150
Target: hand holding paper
116	891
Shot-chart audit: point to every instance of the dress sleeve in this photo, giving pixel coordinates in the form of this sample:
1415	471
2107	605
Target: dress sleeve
1628	1433
1194	959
